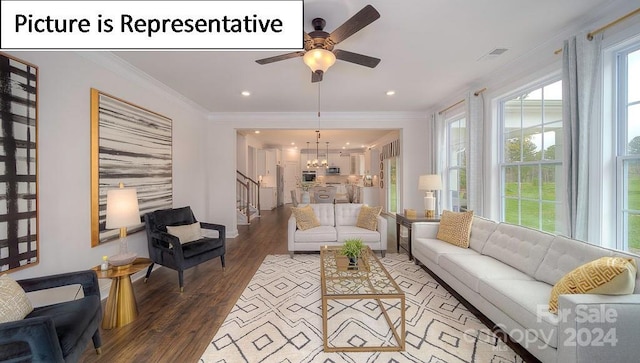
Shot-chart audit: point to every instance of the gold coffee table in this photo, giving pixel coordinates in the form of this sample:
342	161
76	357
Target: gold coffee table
370	281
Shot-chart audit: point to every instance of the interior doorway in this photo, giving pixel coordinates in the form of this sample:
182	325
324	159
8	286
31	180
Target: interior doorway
291	171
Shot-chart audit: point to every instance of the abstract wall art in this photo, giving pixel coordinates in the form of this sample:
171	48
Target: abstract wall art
18	164
129	145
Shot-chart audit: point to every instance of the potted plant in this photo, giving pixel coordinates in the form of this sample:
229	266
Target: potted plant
352	248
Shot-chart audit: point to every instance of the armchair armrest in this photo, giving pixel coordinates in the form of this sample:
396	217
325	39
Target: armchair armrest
218	227
424	230
169	239
39	333
598	328
88	279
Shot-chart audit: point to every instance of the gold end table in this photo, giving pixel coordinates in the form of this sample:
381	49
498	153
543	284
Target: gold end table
121	307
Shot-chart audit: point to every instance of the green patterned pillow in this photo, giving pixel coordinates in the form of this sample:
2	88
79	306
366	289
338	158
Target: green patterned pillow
305	217
455	228
14	304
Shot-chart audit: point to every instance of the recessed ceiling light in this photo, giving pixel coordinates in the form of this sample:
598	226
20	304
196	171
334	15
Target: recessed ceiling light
347	143
256	132
245	93
391	93
293	143
344	147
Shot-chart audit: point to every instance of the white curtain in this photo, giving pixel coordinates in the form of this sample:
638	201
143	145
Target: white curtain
580	70
439	155
475	154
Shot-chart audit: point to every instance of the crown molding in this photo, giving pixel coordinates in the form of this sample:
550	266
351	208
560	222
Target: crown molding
313	116
117	65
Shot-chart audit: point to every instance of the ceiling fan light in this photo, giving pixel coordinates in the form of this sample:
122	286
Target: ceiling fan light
319	59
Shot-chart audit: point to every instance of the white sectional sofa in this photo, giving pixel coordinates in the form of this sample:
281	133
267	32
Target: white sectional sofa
337	223
508	272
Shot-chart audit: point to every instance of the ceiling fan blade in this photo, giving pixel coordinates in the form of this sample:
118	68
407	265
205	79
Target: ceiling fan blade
280	57
361	59
316	76
364	17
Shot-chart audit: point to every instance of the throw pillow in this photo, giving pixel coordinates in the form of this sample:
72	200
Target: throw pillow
606	275
186	233
368	217
455	228
14	304
305	217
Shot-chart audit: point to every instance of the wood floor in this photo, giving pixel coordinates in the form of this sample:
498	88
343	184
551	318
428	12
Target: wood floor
177	327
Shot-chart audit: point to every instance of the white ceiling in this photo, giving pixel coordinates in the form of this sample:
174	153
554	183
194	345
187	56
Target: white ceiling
430	50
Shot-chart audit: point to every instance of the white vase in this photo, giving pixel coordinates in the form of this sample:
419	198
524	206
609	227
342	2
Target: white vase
305	198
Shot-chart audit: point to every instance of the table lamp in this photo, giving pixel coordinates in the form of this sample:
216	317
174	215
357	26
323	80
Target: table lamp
122	212
429	183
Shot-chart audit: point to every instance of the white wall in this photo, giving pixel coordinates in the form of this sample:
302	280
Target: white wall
64	203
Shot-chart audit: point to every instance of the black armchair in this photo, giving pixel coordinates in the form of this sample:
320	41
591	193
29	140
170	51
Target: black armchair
166	249
58	332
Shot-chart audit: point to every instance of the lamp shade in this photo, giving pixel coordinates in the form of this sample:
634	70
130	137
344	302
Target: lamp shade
319	59
430	182
122	208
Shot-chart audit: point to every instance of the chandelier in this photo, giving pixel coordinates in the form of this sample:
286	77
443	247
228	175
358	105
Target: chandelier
316	163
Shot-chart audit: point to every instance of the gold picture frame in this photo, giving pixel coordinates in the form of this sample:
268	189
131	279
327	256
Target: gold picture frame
132	145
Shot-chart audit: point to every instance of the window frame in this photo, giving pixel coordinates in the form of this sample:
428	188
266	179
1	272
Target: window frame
503	164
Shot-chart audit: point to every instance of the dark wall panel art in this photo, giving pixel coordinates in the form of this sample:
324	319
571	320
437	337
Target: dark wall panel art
18	164
130	145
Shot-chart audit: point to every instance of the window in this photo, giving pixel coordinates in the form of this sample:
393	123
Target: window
531	158
455	191
628	150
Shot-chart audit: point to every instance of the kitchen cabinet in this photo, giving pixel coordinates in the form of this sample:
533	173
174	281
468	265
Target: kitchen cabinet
356	164
268	198
268	159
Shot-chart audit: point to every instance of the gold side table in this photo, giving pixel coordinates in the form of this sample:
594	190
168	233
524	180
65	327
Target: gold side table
121	307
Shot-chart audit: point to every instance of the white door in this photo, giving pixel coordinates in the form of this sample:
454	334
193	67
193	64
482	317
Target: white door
291	170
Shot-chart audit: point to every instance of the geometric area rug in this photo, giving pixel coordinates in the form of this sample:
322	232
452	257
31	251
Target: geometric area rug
278	318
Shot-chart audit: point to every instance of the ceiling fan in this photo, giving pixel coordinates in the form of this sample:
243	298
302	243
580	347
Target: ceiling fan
318	52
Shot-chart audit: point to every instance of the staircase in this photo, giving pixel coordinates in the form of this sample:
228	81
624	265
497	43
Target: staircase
247	199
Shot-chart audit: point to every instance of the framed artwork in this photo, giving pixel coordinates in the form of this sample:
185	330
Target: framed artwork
19	154
129	145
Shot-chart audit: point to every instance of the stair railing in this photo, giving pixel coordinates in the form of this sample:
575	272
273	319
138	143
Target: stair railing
248	194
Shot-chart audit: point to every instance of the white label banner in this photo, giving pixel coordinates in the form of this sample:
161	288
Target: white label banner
151	24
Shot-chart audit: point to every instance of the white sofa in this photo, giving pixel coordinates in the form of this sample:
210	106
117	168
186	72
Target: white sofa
508	272
337	223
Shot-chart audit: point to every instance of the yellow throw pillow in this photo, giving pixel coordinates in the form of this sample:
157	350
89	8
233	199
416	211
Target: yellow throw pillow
606	275
368	217
455	228
186	233
14	304
305	217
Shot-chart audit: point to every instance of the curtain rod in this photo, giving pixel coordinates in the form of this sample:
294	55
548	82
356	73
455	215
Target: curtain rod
605	27
478	92
450	107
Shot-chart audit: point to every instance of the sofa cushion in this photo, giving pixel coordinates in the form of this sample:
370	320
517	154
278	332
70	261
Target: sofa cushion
317	234
637	259
481	229
470	269
325	213
434	248
606	275
525	302
564	255
186	233
347	214
366	235
305	217
455	228
520	247
70	319
202	245
368	217
14	303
